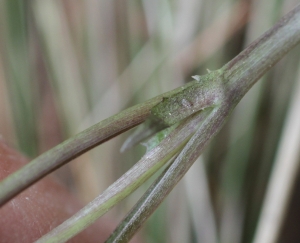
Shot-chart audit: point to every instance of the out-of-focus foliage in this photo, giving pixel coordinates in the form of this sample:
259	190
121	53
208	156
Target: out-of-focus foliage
64	65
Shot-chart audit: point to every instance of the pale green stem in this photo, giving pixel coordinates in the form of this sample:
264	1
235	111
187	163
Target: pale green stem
72	148
239	76
75	146
149	164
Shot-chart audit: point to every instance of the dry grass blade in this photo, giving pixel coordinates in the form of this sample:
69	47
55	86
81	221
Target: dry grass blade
283	175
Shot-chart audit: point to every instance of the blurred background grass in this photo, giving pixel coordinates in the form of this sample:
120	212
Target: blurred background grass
65	65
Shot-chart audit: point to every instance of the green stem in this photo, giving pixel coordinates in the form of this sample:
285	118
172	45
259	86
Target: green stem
239	76
149	164
242	72
72	148
75	146
168	179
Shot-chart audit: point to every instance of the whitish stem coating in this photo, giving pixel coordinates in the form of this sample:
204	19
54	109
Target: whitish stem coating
205	91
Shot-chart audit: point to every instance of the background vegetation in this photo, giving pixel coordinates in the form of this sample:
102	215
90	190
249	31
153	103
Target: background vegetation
65	65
